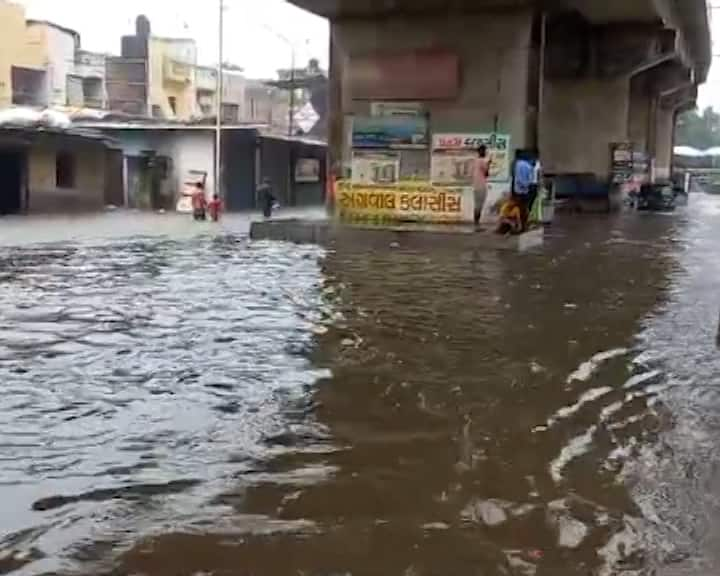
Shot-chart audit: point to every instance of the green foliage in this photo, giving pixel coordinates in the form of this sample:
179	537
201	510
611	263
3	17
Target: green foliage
700	131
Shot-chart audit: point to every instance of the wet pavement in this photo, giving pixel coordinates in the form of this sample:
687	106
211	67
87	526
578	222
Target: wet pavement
177	400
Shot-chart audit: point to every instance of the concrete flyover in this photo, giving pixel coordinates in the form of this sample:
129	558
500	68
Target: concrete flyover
568	77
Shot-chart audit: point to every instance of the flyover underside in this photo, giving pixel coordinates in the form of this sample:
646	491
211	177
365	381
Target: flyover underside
593	10
688	18
570	77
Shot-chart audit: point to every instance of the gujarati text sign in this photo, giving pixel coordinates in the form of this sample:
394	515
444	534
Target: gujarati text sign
419	202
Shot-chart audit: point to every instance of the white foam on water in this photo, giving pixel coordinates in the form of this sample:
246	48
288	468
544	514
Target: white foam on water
639	379
587	369
568	411
574	449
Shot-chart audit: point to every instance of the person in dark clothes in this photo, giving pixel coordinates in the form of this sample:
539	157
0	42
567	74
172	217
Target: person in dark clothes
267	199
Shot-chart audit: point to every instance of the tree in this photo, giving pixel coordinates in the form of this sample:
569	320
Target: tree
700	131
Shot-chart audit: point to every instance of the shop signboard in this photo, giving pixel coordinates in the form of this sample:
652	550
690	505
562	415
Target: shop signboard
390	132
621	162
416	202
413	109
375	167
454	155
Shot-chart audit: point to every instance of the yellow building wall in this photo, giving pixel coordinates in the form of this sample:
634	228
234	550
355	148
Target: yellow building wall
161	89
36	51
89	190
18	47
12	45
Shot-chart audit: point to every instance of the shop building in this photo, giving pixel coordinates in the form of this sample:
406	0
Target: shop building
160	159
47	170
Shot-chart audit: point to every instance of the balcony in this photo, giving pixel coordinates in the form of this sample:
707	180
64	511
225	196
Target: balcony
178	72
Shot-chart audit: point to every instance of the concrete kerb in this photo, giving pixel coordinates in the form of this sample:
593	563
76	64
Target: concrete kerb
407	235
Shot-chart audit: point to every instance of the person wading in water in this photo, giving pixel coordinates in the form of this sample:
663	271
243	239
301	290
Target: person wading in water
199	202
267	199
481	173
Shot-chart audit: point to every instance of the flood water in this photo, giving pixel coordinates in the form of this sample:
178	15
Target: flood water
176	400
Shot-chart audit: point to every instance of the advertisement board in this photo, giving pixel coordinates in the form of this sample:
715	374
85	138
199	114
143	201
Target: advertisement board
453	157
307	170
419	202
375	167
389	132
621	162
396	109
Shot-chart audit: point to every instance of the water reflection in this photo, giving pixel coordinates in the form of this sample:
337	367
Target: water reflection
207	406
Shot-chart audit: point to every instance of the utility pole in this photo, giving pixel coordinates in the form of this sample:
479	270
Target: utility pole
291	111
218	114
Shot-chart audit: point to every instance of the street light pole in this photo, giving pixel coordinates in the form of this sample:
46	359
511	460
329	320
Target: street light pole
218	114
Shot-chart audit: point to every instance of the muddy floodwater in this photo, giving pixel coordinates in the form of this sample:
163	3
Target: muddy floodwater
176	400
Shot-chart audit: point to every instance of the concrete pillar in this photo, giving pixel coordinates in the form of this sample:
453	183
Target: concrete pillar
493	91
579	120
640	112
664	138
335	117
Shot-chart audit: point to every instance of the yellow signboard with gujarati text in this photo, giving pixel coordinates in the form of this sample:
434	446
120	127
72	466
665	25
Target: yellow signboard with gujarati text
407	202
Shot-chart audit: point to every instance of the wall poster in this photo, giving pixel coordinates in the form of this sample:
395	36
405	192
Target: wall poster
307	170
375	167
453	157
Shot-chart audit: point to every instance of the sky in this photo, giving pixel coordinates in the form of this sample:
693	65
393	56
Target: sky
253	28
253	31
710	91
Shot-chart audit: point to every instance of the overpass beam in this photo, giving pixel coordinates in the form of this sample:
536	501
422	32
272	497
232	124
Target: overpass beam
599	89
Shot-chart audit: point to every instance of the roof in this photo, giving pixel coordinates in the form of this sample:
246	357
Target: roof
70	31
153	125
164	125
36	131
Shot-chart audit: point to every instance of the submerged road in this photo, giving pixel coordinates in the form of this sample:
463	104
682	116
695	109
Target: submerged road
175	400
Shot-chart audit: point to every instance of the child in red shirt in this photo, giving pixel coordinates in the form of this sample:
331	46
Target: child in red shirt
215	207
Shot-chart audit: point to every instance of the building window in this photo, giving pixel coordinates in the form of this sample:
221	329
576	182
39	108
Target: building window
65	170
172	101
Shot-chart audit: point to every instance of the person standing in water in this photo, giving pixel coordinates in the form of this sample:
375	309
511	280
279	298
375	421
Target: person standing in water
215	208
481	173
522	180
267	199
199	202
